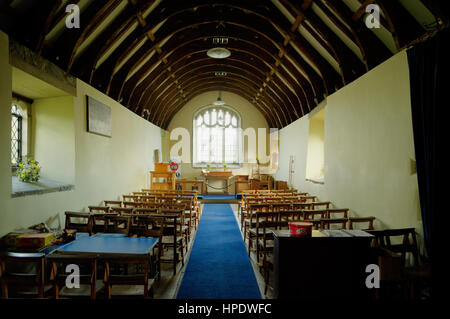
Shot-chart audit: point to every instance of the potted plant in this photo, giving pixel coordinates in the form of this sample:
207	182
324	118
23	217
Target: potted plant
224	167
28	170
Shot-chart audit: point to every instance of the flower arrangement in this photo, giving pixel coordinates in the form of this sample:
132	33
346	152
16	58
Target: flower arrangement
28	170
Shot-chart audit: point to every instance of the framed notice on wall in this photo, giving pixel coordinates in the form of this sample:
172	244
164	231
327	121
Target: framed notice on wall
98	116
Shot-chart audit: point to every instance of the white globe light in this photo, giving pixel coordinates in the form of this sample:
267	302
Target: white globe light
218	53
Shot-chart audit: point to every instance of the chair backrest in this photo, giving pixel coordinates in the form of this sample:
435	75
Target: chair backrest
87	265
315	214
112	279
333	212
326	223
13	272
290	215
117	224
113	203
130	198
357	220
82	222
145	211
122	210
99	209
408	243
151	226
320	205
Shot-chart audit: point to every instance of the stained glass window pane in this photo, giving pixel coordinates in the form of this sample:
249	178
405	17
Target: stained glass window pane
16	135
217	136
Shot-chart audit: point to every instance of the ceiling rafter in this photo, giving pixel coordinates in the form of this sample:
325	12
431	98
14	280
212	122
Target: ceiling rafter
150	55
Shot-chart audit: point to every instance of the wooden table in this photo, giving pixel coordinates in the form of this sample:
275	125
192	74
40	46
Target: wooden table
183	183
218	175
109	244
320	267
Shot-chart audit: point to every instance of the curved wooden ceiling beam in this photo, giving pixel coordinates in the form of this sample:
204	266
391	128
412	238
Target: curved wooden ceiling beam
297	77
202	80
180	74
180	51
86	63
278	90
69	41
270	109
243	91
373	50
123	75
350	65
230	88
257	56
284	102
263	24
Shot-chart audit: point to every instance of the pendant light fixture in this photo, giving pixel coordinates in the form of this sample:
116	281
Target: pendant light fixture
219	101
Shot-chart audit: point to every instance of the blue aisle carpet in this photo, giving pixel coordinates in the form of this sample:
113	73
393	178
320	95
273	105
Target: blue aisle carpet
219	267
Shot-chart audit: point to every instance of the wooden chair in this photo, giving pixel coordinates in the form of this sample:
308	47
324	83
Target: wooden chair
99	209
117	224
153	226
122	210
357	220
89	285
174	232
320	205
23	275
113	203
326	223
315	217
130	198
291	215
248	218
332	212
82	222
266	243
393	257
131	285
255	233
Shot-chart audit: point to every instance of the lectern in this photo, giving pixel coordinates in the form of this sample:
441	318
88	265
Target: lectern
162	171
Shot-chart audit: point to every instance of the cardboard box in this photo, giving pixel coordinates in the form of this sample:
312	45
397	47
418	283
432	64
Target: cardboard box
35	240
10	239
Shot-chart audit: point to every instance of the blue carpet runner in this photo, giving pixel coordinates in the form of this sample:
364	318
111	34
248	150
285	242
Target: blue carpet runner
219	267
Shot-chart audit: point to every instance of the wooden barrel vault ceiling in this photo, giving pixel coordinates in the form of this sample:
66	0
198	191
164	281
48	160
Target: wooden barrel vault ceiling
286	56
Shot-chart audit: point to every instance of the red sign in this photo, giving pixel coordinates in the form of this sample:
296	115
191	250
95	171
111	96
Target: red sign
173	166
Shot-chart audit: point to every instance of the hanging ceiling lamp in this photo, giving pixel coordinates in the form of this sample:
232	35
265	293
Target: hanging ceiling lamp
219	101
218	53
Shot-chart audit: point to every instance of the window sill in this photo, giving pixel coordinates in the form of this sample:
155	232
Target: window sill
316	181
44	186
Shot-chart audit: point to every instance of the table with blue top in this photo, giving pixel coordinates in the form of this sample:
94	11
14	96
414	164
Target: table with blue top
103	244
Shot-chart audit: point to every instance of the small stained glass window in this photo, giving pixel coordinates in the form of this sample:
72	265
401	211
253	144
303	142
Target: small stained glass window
16	135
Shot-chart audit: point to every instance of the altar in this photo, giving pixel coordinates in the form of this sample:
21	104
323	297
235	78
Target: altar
225	176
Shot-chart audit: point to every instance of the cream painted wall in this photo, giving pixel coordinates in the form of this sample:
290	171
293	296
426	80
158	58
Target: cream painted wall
105	168
368	148
315	152
53	120
250	118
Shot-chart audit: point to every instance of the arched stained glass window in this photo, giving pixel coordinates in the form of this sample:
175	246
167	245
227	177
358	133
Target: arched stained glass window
217	136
